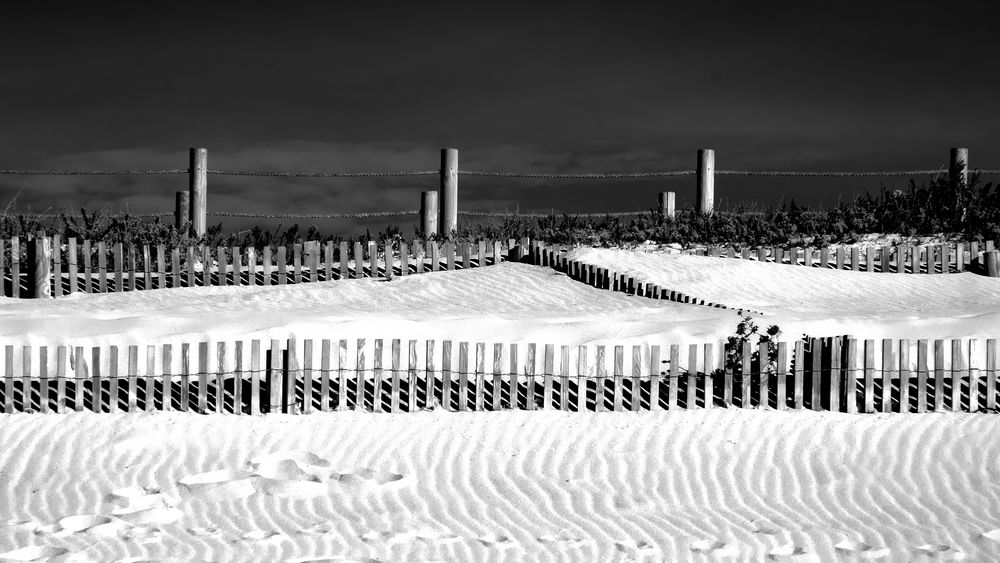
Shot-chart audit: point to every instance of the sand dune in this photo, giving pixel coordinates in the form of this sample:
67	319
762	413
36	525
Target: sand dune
822	302
507	486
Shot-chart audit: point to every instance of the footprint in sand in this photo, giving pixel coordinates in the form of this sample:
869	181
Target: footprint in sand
564	539
220	484
764	527
992	535
259	535
293	473
861	550
639	548
790	552
942	551
497	541
33	553
367	478
714	547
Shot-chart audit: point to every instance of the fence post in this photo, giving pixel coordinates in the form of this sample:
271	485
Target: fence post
182	211
959	166
667	204
198	199
706	181
449	191
429	212
40	257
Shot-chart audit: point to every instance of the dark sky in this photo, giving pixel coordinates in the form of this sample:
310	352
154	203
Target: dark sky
582	88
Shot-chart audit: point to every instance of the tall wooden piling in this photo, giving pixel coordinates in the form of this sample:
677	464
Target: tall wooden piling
448	200
706	181
198	198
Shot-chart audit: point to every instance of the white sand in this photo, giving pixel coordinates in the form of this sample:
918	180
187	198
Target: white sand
517	486
699	485
822	302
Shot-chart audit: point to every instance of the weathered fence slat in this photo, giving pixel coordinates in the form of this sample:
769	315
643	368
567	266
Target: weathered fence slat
619	375
480	398
939	375
292	371
922	375
412	379
267	265
307	376
888	375
674	378
446	357
343	395
377	376
429	390
282	264
991	374
396	375
463	376
958	373
325	365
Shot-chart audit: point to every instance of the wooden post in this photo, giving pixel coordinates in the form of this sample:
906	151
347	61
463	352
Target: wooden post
706	181
992	260
40	254
959	166
668	204
198	176
182	211
429	213
448	199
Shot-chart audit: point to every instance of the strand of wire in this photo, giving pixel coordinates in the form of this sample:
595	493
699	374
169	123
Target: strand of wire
98	172
550	214
270	174
248	214
73	216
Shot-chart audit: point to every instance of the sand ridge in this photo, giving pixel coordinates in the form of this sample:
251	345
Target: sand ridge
723	484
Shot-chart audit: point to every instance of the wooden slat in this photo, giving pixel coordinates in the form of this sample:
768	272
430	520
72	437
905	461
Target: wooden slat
564	363
359	261
418	255
71	263
251	265
96	380
344	258
175	261
274	377
373	260
206	263
513	377
435	253
746	367
824	257
429	374
282	265
709	359
57	286
222	369
816	374
291	376
582	378
446	357
922	375
185	401
548	369
377	376
87	268
885	258
297	262
905	376
463	376
266	267
396	376
619	377
960	253
307	376
765	375
915	259
869	398
481	253
600	375
497	253
959	372
325	365
496	403
60	401
237	254
312	261
480	398
851	376
102	267
412	379
870	259
223	269
79	374
359	400
26	378
991	374
692	378
388	259
203	377
974	372
343	395
888	375
675	376
404	258
255	373
798	375
161	273
466	255
131	374
727	378
939	375
835	374
328	261
449	251
530	373
166	359
119	267
654	375
856	259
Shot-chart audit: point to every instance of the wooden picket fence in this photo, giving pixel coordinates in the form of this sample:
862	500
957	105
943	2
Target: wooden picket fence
100	267
839	374
952	257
